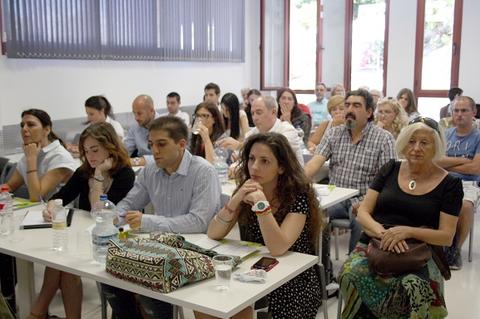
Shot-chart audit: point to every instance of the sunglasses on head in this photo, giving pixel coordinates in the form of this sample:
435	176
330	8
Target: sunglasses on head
427	121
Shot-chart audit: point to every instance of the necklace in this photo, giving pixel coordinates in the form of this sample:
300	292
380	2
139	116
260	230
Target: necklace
412	184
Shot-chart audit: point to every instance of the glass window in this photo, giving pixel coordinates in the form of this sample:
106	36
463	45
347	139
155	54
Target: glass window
437	44
368	35
303	44
273	44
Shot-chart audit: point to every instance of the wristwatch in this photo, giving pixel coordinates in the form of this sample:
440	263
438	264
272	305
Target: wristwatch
260	206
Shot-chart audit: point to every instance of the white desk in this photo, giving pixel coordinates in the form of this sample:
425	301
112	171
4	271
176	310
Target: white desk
201	296
337	195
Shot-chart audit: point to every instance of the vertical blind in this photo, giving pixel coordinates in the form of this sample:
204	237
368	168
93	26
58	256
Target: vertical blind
171	30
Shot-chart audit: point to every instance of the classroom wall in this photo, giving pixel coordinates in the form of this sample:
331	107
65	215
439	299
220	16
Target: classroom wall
62	86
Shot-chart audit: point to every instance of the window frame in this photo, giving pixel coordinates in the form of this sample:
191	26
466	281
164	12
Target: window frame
456	46
347	71
286	55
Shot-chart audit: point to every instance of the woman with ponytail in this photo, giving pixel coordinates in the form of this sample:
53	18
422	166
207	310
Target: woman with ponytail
98	110
46	163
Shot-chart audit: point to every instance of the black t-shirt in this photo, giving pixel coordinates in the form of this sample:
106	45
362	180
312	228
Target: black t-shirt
395	207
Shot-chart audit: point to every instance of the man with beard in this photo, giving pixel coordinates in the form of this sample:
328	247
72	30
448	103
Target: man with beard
356	150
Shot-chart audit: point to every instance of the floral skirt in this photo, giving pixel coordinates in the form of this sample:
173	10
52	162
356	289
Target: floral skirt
418	295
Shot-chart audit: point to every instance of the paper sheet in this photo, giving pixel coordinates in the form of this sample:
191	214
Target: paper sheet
34	217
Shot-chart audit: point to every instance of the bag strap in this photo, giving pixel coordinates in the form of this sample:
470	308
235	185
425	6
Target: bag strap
440	260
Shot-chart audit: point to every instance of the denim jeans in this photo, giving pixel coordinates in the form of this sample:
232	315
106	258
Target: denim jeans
124	304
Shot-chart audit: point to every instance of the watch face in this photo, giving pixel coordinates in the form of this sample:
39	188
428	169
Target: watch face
261	205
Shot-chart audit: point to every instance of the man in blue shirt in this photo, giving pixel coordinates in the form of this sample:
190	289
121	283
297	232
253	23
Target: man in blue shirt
185	193
463	160
319	106
137	135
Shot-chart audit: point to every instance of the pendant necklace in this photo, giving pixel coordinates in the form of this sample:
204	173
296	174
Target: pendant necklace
412	184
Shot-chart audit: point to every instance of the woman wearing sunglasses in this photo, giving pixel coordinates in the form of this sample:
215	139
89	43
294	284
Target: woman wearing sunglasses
421	201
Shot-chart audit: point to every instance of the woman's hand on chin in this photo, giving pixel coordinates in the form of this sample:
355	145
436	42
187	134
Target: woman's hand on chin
31	149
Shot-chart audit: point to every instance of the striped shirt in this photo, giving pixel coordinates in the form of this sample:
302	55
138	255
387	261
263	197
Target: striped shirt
355	165
183	202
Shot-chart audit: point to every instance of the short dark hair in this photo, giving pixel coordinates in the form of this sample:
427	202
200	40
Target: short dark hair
174	126
212	86
453	92
369	104
175	95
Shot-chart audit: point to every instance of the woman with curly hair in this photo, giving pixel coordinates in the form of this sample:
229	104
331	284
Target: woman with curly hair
276	206
391	116
210	129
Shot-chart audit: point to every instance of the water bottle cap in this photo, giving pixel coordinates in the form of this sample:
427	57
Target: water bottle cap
103	197
5	188
58	202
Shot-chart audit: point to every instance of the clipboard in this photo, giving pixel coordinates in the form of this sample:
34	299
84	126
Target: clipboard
34	219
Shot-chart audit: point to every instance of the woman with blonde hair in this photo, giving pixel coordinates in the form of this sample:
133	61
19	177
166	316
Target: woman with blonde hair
391	116
336	108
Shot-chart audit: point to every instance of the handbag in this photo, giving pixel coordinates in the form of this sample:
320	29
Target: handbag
163	262
387	263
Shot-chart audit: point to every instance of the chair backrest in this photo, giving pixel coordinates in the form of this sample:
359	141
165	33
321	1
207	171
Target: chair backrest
7	172
3	162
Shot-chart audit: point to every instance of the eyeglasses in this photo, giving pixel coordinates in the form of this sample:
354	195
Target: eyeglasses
427	121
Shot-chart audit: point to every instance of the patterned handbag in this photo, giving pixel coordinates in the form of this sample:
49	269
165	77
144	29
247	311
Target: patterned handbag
162	263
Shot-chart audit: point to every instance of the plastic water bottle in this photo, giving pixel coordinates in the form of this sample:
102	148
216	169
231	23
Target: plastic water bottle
6	212
104	230
59	226
221	166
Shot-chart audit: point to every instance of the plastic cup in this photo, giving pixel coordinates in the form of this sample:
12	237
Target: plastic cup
223	271
196	126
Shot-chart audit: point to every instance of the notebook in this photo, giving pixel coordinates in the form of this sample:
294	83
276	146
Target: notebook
34	219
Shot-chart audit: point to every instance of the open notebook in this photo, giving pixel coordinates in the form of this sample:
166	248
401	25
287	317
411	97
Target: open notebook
34	219
241	249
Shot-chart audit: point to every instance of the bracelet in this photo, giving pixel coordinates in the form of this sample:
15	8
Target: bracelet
222	221
98	179
264	212
31	171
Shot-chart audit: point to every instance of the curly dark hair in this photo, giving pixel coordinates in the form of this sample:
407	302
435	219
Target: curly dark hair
290	184
105	135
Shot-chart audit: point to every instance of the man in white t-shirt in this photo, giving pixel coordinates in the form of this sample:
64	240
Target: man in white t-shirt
173	106
264	113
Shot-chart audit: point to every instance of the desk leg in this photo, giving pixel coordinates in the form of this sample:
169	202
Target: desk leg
25	286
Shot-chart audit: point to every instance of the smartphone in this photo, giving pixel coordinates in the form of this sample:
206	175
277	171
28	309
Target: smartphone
265	263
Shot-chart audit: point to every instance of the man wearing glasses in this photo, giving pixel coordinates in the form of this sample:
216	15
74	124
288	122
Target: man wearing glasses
463	160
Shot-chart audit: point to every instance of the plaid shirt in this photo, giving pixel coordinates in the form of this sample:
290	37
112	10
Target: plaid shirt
355	165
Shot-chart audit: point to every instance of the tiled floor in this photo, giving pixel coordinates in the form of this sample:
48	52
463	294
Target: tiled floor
462	291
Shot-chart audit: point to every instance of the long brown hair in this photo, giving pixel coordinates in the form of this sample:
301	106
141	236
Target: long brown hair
105	135
196	144
292	182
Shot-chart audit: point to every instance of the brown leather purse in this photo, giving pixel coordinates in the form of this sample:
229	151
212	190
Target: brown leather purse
387	264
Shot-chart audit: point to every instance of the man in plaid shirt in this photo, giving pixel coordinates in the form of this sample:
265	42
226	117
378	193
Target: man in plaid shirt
356	150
